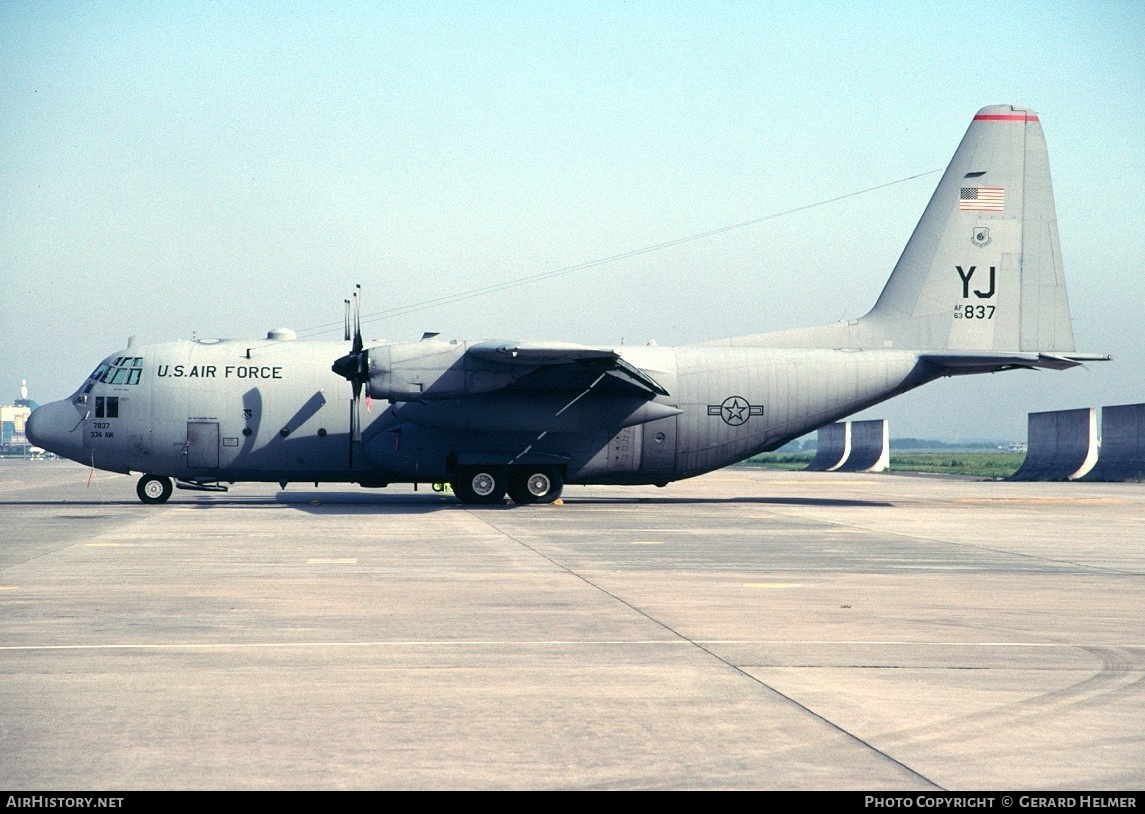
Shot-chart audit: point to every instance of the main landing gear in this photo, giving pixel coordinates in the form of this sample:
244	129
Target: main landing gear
153	489
478	485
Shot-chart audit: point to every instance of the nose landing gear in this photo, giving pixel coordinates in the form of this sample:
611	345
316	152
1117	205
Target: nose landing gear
153	489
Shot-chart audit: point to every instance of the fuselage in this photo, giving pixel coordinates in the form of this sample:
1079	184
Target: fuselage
211	411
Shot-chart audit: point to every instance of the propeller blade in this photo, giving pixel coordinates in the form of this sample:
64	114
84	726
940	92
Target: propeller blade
354	367
356	418
358	319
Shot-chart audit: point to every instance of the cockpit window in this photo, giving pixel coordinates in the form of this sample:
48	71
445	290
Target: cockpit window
124	370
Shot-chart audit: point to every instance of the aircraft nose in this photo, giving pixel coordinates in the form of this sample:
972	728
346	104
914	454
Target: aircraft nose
56	427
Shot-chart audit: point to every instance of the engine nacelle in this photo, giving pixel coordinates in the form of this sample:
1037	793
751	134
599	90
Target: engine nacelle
431	370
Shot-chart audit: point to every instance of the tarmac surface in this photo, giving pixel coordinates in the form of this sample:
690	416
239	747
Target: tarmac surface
748	629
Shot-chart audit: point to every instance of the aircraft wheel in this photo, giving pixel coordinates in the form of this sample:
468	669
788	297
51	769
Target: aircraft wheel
153	489
535	486
479	485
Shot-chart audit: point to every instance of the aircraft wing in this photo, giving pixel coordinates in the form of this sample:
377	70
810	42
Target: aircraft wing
962	362
563	364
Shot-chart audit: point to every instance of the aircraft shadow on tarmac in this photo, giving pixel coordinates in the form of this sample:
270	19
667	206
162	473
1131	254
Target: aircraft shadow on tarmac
404	504
350	503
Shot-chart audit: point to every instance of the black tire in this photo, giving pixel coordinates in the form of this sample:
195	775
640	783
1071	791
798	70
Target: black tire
535	485
480	485
153	489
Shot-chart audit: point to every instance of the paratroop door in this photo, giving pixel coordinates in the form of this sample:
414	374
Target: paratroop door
203	444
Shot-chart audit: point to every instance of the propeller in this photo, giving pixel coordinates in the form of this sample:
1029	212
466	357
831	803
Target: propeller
355	368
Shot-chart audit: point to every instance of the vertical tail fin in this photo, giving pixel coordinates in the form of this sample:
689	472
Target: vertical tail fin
980	284
983	269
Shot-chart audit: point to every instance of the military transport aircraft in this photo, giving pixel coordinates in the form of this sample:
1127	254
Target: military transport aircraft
979	288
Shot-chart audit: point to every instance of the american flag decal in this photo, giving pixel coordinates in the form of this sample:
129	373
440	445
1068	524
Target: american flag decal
981	199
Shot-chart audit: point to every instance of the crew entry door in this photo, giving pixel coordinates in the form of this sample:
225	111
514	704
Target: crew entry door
203	444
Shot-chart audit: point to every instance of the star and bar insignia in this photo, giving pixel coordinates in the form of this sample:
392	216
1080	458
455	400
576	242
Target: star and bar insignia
735	410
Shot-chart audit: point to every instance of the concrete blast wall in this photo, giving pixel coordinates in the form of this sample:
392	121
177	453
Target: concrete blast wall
1061	445
870	447
833	447
1122	444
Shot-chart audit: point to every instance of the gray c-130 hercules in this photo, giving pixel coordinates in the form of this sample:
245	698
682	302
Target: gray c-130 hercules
978	289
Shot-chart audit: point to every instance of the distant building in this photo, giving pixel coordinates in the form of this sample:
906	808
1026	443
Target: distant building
12	420
13	417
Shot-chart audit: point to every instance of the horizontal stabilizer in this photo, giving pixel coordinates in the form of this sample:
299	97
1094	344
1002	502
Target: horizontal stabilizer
961	362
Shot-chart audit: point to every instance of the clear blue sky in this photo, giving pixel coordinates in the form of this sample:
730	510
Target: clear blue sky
224	168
